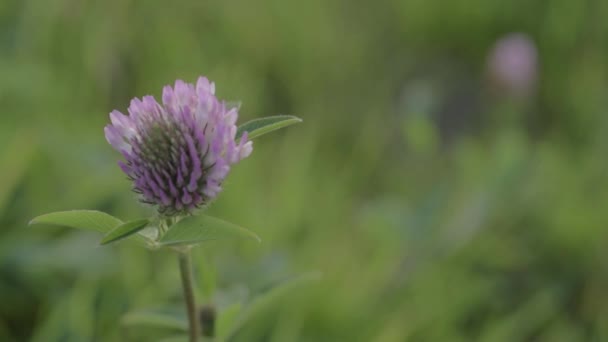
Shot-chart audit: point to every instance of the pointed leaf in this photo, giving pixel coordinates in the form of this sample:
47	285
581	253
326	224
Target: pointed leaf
268	300
196	229
124	230
257	127
156	318
226	320
80	219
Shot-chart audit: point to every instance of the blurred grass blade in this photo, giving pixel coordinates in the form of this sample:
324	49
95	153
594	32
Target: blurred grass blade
124	230
207	275
80	219
156	318
196	229
226	320
177	338
257	127
15	160
271	298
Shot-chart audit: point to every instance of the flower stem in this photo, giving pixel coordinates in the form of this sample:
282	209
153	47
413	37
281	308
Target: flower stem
185	267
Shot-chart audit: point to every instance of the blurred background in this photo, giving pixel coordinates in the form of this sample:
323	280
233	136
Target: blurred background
449	179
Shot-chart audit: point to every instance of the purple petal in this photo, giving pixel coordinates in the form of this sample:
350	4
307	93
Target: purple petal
115	139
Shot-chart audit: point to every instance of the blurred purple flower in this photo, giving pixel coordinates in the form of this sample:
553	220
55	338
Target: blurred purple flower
177	154
512	64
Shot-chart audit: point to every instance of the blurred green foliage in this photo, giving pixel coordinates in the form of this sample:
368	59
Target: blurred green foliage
436	208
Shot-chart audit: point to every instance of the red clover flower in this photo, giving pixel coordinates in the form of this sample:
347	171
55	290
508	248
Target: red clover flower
178	154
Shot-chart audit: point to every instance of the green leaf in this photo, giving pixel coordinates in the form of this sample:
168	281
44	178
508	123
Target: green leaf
226	320
257	127
80	219
124	230
156	318
270	299
196	229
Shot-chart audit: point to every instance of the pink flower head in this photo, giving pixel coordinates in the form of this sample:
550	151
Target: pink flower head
513	64
178	153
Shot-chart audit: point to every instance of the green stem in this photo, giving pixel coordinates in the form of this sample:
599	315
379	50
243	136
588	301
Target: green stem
185	267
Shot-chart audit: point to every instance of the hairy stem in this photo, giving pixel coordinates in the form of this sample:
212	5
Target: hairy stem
185	267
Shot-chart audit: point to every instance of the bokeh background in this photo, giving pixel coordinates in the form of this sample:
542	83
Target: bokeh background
449	180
